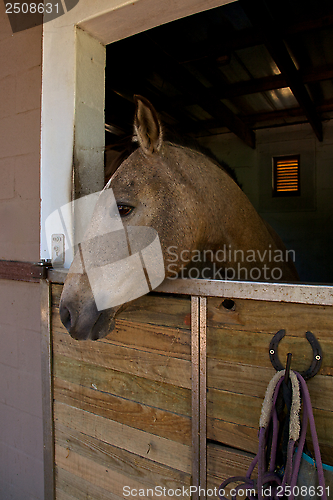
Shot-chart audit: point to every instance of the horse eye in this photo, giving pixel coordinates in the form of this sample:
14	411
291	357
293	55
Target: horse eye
124	210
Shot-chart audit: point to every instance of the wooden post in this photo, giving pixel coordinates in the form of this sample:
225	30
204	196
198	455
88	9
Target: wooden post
199	399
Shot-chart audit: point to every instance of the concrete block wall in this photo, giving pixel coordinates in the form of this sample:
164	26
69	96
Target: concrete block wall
21	438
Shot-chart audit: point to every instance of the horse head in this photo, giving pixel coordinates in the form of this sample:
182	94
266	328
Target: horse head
185	197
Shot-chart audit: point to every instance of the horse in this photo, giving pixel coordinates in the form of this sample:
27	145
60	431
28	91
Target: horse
197	210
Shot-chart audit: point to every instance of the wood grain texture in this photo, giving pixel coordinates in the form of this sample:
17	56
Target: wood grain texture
224	462
152	420
95	473
240	409
269	317
159	449
244	410
175	342
69	486
214	483
99	473
122	404
142	390
234	435
62	495
151	365
325	451
119	460
251	348
253	381
153	308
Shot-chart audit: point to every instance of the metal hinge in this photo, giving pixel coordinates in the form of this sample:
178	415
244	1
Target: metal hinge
41	268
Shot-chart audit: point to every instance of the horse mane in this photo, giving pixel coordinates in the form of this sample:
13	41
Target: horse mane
117	152
191	143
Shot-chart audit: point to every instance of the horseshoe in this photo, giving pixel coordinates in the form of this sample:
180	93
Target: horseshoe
316	360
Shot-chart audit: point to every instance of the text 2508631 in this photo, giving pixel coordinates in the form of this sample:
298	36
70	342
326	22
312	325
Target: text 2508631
31	8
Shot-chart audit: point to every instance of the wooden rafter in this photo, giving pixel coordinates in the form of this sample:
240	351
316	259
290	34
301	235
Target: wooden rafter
284	114
257	118
272	82
182	79
119	99
276	82
262	20
174	87
246	38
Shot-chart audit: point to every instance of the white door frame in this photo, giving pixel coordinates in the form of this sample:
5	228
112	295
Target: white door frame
72	130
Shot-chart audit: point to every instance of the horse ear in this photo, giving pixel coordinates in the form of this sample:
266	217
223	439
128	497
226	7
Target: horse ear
147	126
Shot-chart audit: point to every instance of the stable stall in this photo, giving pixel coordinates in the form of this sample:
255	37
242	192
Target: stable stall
172	399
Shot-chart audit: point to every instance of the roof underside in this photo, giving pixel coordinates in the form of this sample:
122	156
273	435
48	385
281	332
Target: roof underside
239	67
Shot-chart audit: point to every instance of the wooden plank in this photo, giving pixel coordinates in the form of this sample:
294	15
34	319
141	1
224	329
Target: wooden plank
144	364
326	452
160	310
258	319
234	435
71	486
152	338
269	317
152	420
245	411
154	309
161	450
252	348
61	495
224	462
119	460
214	483
96	474
238	377
324	426
173	311
236	408
253	381
142	390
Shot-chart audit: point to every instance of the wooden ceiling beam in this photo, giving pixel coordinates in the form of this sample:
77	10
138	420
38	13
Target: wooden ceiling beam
275	82
255	119
267	83
181	78
246	38
284	114
262	20
120	105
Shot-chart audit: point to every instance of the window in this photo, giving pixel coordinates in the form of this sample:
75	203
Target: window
286	175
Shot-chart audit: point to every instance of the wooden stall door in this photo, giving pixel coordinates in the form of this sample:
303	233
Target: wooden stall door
239	370
122	407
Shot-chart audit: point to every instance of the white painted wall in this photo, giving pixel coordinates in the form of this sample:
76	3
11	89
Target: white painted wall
306	227
62	109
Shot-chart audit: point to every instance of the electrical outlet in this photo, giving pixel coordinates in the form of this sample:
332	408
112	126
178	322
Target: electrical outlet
58	249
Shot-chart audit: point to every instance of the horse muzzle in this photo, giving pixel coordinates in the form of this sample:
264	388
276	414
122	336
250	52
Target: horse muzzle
78	311
93	325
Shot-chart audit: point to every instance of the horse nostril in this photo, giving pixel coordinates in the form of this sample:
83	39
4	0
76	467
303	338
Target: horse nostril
66	317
